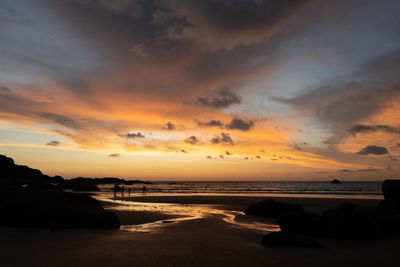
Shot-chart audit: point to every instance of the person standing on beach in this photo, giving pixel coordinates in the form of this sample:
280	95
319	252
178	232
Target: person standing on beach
122	191
144	189
129	192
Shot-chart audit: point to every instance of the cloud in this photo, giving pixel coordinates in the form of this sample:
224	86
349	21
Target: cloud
389	168
114	155
239	124
134	135
183	151
219	99
193	140
169	126
225	138
228	153
209	157
226	24
130	7
4	89
297	146
361	128
53	143
374	150
258	157
221	156
211	123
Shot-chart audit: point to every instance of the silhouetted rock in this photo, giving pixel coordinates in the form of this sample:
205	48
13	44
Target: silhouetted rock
28	198
52	208
391	189
271	208
345	222
302	223
390	224
348	221
282	239
335	181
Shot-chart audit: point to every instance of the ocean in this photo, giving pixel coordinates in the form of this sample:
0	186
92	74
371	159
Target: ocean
260	188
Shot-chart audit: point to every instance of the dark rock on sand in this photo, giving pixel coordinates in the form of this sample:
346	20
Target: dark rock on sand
345	222
54	209
302	223
349	221
30	198
271	208
391	189
282	239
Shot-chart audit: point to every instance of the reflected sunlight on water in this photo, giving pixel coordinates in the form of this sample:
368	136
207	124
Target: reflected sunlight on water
185	212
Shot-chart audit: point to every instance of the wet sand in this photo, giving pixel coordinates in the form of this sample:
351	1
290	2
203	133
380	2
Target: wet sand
208	241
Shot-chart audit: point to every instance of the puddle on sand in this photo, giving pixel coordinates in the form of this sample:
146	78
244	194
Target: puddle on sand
187	211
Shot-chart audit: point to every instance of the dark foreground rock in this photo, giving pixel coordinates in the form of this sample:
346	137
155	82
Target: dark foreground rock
32	199
54	209
271	208
345	222
282	239
391	190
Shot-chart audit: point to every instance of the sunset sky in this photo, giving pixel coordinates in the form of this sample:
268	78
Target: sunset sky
202	90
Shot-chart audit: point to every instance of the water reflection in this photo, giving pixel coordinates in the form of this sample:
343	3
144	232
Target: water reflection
184	212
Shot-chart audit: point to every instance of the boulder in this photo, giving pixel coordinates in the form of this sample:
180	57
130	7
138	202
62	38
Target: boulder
282	239
346	222
302	223
391	190
271	208
349	222
54	209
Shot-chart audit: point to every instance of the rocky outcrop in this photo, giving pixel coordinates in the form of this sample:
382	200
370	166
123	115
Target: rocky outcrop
31	199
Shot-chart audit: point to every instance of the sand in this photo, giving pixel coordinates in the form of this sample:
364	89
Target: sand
207	241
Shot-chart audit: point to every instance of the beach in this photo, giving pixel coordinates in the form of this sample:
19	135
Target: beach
205	241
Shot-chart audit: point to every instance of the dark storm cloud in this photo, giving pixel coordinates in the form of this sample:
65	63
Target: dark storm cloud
374	150
219	99
211	123
193	140
134	135
114	155
226	24
169	126
239	124
361	128
53	143
224	138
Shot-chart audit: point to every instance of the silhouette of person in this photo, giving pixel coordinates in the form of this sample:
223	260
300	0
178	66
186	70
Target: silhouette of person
115	191
122	191
129	192
144	189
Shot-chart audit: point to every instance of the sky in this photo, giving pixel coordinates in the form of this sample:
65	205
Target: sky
202	90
